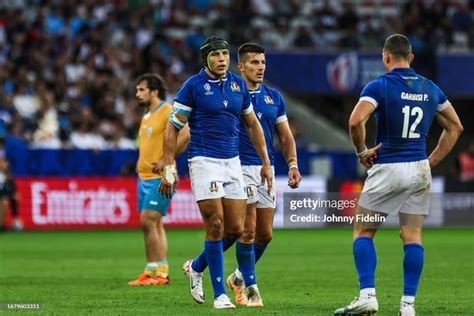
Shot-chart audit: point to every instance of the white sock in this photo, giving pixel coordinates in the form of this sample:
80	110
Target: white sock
151	265
238	274
408	299
367	293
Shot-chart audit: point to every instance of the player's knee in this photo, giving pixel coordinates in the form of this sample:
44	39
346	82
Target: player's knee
216	227
248	235
234	233
410	236
264	238
363	231
147	224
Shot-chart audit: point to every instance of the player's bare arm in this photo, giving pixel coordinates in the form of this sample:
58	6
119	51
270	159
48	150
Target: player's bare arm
288	147
183	140
170	145
452	129
181	146
357	121
255	133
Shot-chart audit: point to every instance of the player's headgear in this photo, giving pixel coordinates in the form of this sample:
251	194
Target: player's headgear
211	44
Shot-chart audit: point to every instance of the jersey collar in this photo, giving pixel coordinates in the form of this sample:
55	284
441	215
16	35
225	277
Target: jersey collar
156	108
403	70
205	76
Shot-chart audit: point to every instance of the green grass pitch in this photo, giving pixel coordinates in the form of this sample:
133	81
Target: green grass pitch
305	272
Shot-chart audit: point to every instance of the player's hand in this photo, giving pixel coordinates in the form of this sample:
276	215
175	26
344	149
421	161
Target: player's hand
368	160
168	181
267	176
157	167
294	178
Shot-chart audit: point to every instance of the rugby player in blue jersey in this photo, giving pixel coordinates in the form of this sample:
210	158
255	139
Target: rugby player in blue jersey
399	170
269	106
212	103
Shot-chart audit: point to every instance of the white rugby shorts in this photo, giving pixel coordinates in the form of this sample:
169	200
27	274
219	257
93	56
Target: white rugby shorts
255	191
402	187
213	178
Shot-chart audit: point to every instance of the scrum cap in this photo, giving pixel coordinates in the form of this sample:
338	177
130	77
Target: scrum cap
211	44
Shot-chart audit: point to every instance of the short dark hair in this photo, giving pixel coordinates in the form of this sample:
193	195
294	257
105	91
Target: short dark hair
398	46
154	82
249	48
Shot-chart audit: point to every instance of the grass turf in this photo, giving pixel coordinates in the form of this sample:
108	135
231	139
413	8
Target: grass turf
306	272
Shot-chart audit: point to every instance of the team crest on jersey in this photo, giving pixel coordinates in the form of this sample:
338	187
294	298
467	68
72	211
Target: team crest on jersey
249	191
268	100
213	186
149	131
234	87
207	87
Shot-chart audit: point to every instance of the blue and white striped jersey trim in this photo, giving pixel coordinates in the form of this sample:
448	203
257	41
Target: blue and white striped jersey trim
182	109
443	106
281	119
370	100
248	110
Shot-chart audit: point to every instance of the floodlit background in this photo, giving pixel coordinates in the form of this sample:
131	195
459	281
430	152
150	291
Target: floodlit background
69	119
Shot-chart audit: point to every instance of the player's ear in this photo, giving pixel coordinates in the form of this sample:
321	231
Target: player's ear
385	57
411	58
240	66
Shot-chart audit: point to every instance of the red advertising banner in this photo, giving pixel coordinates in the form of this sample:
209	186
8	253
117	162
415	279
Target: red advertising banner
95	203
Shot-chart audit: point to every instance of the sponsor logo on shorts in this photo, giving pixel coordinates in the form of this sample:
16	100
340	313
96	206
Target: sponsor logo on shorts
213	186
249	191
234	87
153	202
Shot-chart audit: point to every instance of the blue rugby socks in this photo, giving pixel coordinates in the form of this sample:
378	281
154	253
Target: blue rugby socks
412	267
259	249
366	261
246	262
215	258
200	263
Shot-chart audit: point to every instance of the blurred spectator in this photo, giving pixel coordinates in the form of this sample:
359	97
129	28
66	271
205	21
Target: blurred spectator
303	38
465	163
47	132
462	19
8	194
59	57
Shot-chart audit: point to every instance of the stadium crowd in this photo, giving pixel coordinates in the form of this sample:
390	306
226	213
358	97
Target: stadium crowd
68	68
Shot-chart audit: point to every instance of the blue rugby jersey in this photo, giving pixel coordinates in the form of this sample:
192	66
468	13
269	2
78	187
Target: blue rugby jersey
405	106
213	108
269	107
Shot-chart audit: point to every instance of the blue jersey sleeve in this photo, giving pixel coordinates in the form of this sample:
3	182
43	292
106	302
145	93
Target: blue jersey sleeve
184	96
182	106
443	101
371	93
281	116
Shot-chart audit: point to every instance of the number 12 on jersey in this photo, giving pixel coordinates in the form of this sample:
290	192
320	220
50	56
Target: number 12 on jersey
415	111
